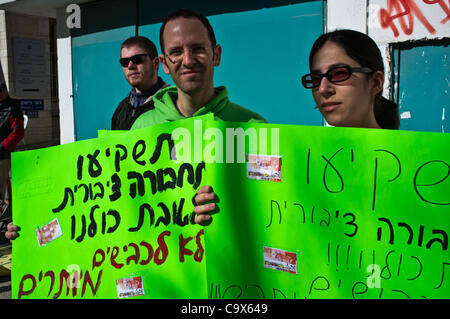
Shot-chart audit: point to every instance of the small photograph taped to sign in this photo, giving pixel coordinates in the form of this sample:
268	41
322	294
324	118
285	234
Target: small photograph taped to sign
130	287
49	232
280	260
264	167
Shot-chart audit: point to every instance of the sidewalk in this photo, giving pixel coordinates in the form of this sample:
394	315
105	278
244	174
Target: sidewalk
5	271
5	287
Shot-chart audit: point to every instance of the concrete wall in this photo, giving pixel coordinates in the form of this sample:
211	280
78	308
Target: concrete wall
43	130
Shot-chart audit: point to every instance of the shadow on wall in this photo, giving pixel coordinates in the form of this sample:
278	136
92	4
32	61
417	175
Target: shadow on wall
122	13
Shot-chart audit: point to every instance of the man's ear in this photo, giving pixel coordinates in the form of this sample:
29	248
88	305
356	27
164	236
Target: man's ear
217	53
163	62
156	63
377	82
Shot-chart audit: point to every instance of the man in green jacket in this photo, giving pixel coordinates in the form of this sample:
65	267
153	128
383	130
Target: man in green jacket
189	55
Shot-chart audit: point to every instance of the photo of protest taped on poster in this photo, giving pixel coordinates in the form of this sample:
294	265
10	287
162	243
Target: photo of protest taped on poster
264	167
49	232
118	205
280	260
130	287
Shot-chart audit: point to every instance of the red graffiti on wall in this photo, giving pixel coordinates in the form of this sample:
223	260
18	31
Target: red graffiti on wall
444	8
404	11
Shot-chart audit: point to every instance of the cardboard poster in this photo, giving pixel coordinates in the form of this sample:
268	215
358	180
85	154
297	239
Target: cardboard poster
335	213
358	213
108	218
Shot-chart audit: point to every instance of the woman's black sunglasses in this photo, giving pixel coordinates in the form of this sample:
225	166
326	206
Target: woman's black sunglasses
136	59
335	74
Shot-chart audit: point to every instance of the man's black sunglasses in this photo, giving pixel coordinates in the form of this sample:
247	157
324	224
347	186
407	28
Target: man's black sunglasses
335	74
136	59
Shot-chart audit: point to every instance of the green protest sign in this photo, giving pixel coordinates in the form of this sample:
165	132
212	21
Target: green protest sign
305	212
108	218
333	213
104	133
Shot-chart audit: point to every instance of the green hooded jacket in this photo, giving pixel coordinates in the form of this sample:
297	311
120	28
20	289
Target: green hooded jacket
220	106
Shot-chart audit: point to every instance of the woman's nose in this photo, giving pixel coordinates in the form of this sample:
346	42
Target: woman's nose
326	87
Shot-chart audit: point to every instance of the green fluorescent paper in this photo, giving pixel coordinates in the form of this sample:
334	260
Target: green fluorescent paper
107	218
329	213
304	212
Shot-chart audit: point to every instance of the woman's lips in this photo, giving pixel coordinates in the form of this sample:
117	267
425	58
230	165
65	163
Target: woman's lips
329	106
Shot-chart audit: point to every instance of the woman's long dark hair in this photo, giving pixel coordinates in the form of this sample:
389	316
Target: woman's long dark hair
361	48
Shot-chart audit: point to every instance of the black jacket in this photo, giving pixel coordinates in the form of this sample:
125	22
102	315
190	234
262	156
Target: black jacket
125	114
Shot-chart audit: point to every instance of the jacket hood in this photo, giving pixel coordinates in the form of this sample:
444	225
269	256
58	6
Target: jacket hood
165	106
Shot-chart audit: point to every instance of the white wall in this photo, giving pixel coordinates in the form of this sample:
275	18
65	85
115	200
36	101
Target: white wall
415	20
353	14
4	47
346	14
364	16
65	88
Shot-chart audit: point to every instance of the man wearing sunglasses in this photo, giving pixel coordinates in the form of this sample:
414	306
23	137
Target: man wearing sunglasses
139	61
189	55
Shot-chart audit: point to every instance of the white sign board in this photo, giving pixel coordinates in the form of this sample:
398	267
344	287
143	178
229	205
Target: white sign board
29	67
402	20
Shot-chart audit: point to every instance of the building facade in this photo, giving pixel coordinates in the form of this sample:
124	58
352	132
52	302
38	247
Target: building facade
265	52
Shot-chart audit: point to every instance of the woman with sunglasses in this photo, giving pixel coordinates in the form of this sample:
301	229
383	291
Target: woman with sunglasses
347	77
